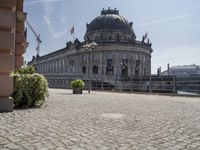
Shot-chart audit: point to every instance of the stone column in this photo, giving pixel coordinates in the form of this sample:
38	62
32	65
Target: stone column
66	65
51	66
47	66
56	66
20	41
63	64
43	67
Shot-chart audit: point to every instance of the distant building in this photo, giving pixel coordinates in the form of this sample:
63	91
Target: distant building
116	56
183	71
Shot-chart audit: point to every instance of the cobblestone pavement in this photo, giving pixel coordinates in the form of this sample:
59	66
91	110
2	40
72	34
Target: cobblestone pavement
103	121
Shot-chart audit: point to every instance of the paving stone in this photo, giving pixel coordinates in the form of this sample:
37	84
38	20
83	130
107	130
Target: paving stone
12	146
104	120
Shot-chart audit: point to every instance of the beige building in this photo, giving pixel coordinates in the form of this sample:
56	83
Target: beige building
117	56
12	47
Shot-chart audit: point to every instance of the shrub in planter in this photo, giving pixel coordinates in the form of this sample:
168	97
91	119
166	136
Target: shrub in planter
30	88
77	86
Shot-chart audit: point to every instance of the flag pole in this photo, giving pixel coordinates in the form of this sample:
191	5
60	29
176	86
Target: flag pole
72	31
74	36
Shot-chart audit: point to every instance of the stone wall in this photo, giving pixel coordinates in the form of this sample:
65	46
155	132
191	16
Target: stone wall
12	47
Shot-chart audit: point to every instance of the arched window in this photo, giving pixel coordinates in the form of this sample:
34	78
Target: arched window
83	69
95	69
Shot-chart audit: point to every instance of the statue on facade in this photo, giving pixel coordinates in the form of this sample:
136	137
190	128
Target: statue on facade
133	38
131	24
148	41
68	44
143	38
77	43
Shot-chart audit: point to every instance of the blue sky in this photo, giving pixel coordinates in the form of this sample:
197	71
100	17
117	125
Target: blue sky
173	26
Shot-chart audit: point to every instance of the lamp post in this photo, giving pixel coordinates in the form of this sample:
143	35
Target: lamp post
87	47
132	76
122	66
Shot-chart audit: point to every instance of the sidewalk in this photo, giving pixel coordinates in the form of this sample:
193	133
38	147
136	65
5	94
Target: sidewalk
104	120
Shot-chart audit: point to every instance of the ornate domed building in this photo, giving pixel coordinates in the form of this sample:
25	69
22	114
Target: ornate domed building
109	54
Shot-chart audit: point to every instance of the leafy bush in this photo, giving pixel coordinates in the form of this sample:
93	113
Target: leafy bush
77	83
26	70
30	88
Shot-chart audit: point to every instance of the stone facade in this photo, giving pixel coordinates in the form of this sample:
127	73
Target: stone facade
118	54
12	47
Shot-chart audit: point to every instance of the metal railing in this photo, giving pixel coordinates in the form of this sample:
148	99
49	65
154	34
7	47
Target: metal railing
163	84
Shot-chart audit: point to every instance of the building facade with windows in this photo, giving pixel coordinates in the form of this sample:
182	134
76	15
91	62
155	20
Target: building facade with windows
115	55
183	71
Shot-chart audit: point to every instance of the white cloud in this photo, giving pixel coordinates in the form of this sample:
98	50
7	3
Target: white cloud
55	34
49	12
164	20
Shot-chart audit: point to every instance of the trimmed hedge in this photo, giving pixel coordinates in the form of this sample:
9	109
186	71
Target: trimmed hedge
30	88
